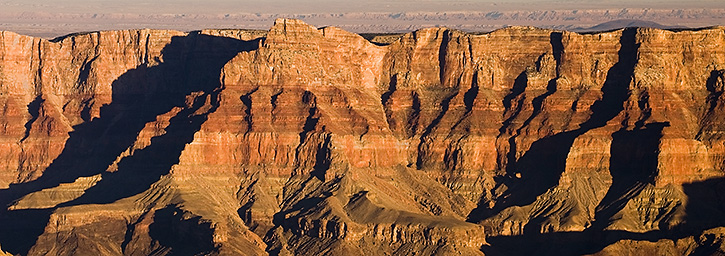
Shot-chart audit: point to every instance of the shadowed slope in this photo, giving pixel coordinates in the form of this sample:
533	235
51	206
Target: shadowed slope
190	68
704	212
542	165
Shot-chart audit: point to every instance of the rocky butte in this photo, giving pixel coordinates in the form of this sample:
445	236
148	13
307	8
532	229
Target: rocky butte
307	141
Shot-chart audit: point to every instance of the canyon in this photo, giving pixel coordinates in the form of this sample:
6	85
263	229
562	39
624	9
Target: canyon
300	140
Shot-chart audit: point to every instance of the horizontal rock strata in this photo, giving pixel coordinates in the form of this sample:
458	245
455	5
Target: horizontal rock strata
309	141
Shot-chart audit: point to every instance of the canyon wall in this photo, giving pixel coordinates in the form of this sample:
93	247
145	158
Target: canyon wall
310	141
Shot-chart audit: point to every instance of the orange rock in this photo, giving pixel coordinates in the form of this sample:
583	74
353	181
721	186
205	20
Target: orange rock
301	140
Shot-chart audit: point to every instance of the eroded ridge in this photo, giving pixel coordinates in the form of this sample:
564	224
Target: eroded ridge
306	141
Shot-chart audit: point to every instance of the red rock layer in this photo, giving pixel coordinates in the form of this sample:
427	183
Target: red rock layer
309	141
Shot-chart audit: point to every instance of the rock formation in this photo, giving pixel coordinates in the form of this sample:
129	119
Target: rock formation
307	141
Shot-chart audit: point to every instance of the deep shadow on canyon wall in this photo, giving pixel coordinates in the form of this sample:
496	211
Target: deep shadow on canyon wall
186	79
705	210
542	165
633	167
184	90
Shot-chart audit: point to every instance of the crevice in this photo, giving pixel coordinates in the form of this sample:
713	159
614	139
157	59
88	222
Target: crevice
385	98
139	96
645	110
273	99
537	103
245	213
412	124
130	229
273	102
322	158
247	197
85	72
714	85
442	53
470	50
321	153
538	61
39	73
453	157
468	99
146	52
470	96
517	90
422	145
615	90
34	111
364	132
511	157
633	166
526	180
247	101
310	124
557	49
86	110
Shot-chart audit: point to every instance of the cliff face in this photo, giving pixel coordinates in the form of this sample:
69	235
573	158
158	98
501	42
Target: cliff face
301	140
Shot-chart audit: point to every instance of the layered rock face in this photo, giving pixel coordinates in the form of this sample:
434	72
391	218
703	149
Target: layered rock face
307	141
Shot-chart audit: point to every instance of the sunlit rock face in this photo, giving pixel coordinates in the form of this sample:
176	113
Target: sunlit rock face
307	141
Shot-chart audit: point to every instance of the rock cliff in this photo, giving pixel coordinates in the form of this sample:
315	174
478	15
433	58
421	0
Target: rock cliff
307	141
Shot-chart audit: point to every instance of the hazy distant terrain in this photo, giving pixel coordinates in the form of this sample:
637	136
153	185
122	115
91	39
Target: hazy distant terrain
55	18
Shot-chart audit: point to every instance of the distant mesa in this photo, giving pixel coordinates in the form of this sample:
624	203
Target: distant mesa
627	23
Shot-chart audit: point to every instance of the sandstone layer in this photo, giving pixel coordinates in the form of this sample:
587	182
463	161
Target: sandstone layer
307	141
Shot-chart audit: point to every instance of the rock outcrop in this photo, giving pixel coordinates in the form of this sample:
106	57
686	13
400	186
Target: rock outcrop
307	141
